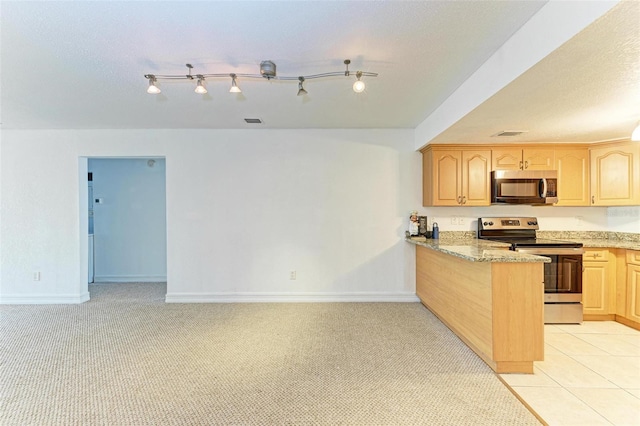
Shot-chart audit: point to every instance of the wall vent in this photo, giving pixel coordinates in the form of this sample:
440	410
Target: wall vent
510	133
253	120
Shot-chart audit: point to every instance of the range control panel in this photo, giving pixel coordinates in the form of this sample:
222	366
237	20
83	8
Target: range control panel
506	223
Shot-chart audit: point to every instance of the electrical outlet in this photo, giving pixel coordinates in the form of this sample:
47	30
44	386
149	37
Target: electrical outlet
454	220
292	274
462	221
36	276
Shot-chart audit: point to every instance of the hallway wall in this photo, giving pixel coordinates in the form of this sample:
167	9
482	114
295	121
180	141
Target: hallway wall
130	222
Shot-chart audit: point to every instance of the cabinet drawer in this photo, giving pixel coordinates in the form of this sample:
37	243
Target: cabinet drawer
596	255
633	257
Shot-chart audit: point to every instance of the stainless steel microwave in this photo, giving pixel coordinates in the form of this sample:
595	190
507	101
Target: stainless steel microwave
524	187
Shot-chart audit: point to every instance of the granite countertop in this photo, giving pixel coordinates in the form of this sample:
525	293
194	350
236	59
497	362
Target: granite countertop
476	250
594	239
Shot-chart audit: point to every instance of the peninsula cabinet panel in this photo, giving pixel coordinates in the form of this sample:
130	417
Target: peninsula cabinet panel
456	178
572	165
495	308
615	175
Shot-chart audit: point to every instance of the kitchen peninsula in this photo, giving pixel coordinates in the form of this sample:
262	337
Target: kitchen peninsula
491	298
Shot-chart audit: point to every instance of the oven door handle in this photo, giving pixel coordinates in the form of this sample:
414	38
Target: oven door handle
551	251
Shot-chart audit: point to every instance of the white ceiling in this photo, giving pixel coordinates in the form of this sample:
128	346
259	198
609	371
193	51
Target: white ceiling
81	65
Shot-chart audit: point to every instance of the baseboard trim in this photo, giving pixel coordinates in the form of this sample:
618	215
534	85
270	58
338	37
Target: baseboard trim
44	299
130	278
276	297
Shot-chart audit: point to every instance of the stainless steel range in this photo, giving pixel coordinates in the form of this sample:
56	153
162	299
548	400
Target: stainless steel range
562	277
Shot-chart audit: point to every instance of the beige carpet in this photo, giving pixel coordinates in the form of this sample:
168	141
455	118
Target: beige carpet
127	358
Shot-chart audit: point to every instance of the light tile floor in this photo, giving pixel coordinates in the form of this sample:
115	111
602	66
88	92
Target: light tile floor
590	375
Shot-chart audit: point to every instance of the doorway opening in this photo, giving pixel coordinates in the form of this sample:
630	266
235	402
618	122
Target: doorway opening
126	219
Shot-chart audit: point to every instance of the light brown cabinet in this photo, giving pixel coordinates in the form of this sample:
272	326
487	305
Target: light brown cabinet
633	286
520	158
456	177
599	175
572	165
598	284
615	175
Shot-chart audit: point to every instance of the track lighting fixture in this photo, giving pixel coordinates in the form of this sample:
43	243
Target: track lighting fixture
234	86
200	89
267	71
301	90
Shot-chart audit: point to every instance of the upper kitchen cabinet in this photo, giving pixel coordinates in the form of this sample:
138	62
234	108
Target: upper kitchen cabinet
456	177
572	165
522	158
615	174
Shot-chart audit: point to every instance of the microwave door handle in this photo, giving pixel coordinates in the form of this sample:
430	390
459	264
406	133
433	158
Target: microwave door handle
544	188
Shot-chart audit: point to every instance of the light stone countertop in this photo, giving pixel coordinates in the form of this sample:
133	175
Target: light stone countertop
594	239
476	250
606	243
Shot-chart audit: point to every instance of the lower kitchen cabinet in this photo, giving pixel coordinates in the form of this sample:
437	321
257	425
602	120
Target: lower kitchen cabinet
598	285
633	286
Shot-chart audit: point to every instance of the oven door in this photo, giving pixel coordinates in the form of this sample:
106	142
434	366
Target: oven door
563	276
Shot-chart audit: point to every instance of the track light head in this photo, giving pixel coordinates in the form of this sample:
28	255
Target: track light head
359	85
152	89
200	89
301	90
234	86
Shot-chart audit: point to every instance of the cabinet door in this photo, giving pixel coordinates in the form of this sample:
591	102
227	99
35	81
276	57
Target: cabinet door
538	158
615	175
447	185
506	159
633	292
572	165
476	178
595	290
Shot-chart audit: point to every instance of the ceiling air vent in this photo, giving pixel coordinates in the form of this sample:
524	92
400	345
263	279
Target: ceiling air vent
253	120
510	133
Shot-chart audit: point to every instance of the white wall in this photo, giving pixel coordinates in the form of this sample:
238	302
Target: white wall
624	219
130	222
244	207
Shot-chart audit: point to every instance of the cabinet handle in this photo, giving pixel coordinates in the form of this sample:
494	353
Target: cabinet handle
526	164
593	199
459	199
464	199
520	165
